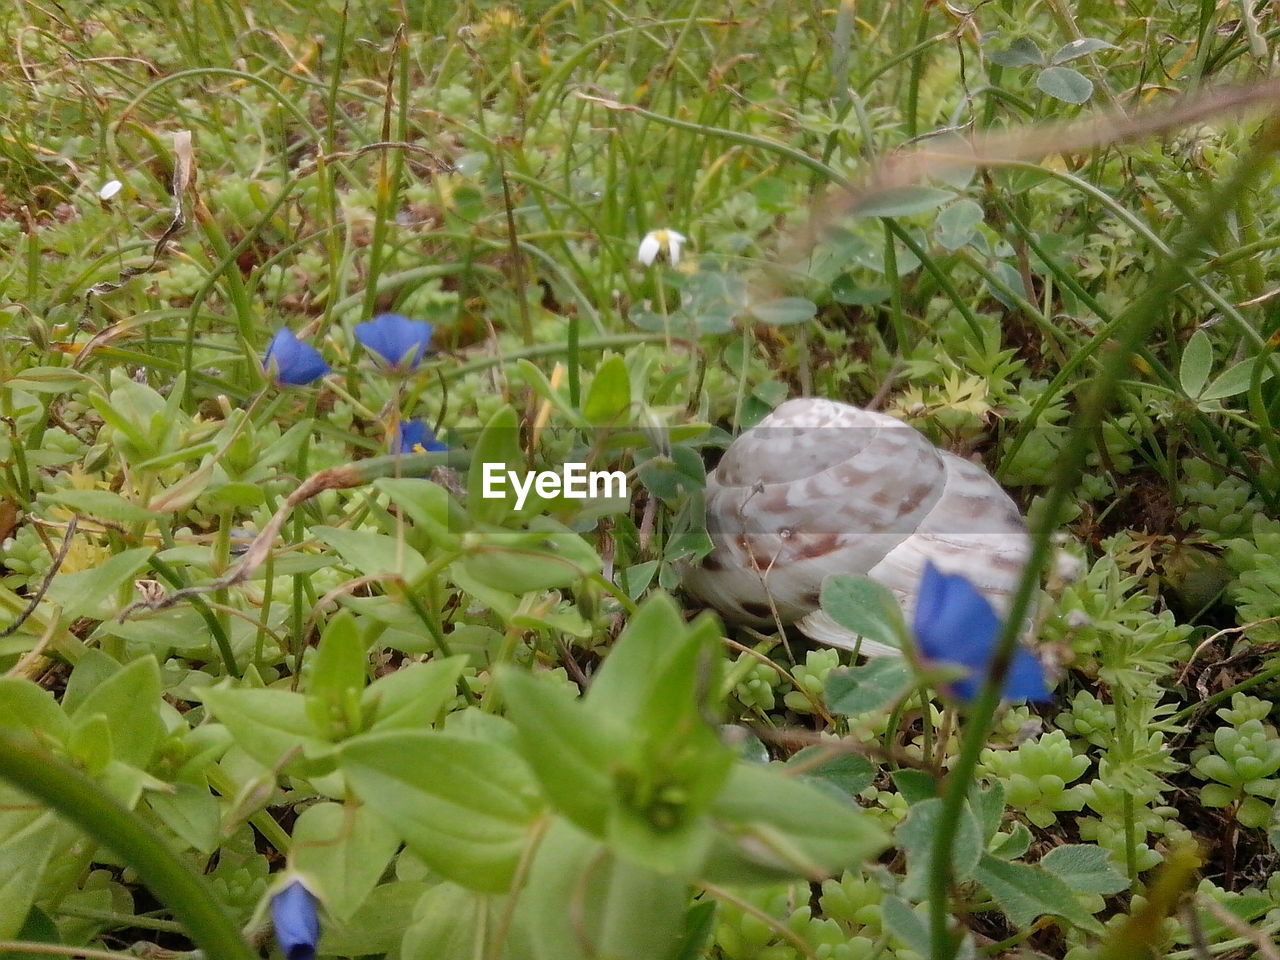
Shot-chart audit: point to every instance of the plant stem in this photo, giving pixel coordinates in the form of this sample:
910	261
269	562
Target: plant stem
83	802
1130	333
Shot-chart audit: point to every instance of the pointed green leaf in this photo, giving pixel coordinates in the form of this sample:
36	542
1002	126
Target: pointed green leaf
343	850
412	697
916	836
572	749
466	807
374	554
267	724
129	699
608	402
584	902
95	593
498	443
1080	48
773	827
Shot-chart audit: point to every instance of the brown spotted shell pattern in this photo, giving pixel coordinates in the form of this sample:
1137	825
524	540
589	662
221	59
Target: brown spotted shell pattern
820	488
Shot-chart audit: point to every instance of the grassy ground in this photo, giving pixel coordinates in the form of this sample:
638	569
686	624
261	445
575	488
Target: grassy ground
1090	312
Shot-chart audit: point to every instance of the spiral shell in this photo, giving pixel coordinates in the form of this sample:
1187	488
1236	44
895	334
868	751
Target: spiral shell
820	488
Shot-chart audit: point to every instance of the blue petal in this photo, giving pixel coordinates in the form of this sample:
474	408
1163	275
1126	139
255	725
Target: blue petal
401	342
411	434
297	924
954	624
1025	680
294	362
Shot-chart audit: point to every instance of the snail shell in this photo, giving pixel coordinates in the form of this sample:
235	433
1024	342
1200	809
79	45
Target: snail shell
820	488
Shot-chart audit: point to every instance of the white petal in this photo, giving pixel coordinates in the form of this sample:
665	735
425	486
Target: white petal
673	246
649	248
110	189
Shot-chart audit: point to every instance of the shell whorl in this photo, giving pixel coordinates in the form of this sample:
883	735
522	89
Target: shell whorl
820	488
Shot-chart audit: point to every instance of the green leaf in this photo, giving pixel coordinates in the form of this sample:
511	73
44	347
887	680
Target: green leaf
773	827
655	638
374	554
192	813
1025	893
916	835
784	311
901	921
1080	48
546	556
339	672
341	662
129	699
1063	83
267	724
849	773
465	807
343	850
498	443
1197	359
1021	52
536	380
429	506
988	807
573	750
100	505
412	697
1017	843
25	705
453	923
699	928
583	902
379	924
1084	868
957	224
862	689
865	607
914	785
902	202
608	402
23	856
94	593
1234	380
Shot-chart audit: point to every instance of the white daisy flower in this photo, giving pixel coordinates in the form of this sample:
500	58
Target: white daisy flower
658	242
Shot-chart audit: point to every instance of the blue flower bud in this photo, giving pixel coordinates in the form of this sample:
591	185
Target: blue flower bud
297	925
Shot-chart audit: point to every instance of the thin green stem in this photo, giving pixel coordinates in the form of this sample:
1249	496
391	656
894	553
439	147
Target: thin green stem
1131	330
84	803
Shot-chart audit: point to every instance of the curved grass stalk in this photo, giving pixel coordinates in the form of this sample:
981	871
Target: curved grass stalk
1130	330
83	802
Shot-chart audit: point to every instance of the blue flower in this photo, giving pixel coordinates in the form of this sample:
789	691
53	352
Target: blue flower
414	436
293	913
955	625
401	342
289	360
